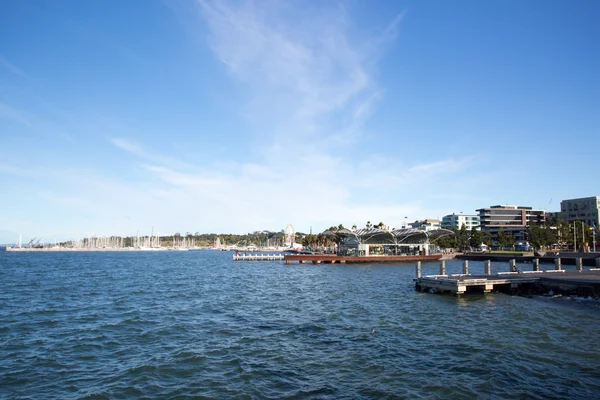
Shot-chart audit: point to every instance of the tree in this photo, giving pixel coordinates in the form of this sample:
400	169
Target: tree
564	234
462	237
537	236
504	239
369	225
486	238
447	242
475	238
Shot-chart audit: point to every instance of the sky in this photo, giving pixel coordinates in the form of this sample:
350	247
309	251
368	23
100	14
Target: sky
147	116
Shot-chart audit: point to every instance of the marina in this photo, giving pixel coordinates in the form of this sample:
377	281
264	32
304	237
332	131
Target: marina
185	317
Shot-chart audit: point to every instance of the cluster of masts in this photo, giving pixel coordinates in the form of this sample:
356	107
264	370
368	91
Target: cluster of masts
153	242
97	243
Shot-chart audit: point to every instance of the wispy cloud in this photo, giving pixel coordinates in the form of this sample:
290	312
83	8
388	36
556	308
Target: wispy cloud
302	63
310	86
129	146
13	68
15	115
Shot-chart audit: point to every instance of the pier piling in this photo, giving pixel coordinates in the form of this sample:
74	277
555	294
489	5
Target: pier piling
582	282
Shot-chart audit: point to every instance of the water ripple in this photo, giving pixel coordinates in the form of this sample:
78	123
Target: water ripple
187	325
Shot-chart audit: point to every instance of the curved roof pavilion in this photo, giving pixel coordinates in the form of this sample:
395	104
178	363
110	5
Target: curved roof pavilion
383	237
373	241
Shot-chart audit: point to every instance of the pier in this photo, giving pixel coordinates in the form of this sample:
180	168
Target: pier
258	257
582	282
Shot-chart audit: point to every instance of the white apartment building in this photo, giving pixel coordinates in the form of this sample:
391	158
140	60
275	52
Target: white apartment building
457	221
426	225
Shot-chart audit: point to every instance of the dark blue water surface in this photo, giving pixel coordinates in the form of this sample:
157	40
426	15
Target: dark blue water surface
121	325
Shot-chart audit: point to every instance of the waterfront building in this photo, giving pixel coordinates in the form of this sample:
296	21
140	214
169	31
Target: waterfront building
552	217
381	242
585	209
426	225
457	221
511	219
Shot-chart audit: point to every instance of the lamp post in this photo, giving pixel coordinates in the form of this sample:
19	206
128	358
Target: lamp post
574	236
582	235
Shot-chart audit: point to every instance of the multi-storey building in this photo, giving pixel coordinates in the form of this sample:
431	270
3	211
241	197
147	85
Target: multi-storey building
552	217
426	225
457	221
511	219
585	209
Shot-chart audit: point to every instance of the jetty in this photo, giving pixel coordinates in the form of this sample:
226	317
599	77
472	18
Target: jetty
585	282
258	257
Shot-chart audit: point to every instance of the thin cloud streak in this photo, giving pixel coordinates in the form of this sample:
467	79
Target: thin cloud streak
305	72
15	115
13	68
129	146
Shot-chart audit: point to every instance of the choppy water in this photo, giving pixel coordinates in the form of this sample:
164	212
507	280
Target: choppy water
195	324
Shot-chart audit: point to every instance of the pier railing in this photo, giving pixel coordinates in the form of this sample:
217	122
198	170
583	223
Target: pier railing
257	257
579	280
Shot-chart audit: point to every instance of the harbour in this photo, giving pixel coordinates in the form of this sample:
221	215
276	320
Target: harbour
280	200
198	324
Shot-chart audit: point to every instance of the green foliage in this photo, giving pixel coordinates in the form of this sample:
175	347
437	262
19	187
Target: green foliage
486	238
475	238
504	239
462	237
447	242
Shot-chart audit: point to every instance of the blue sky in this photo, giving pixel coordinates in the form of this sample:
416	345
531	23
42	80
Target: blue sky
229	117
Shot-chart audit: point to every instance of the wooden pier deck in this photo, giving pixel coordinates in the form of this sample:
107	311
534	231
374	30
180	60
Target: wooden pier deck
258	257
581	281
460	284
333	258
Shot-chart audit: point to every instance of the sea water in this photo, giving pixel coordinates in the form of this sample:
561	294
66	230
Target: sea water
130	325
